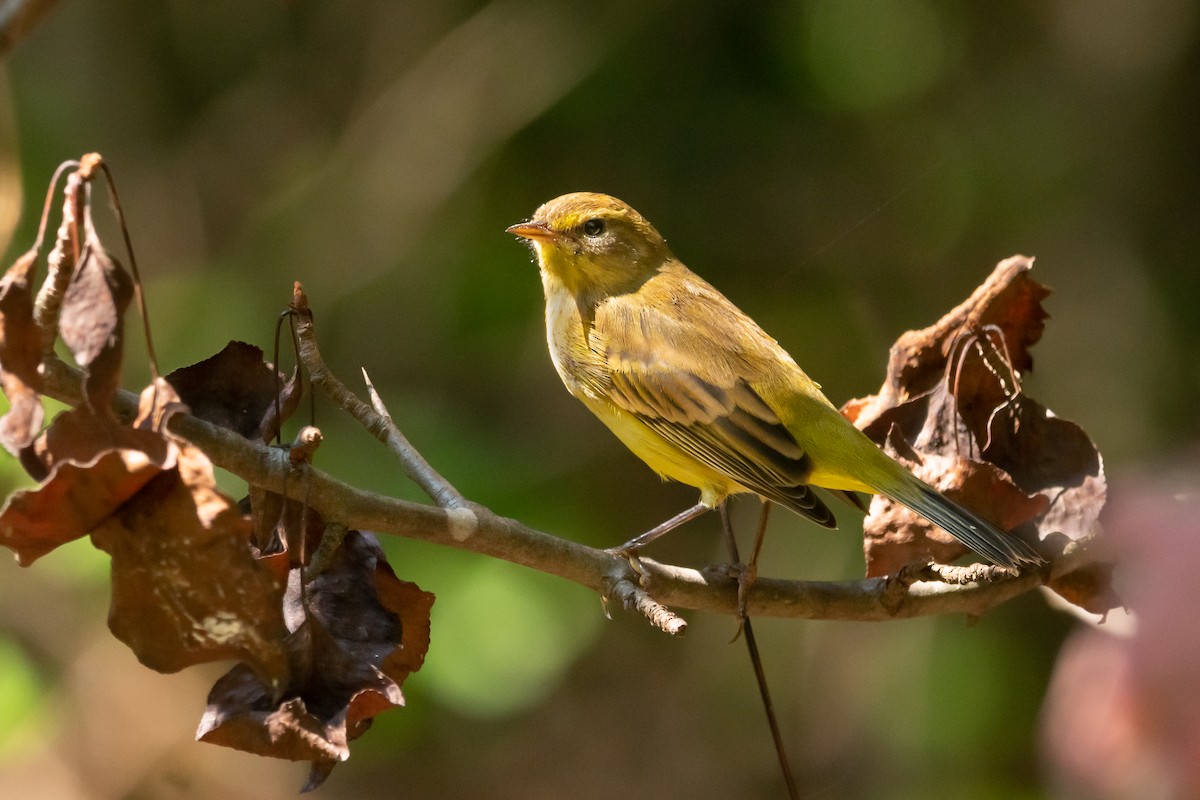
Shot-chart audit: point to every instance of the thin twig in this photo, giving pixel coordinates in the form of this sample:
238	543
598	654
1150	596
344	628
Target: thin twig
139	293
438	488
746	629
488	534
636	600
377	422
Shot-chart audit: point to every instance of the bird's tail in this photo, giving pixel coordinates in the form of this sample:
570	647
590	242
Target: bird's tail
1002	549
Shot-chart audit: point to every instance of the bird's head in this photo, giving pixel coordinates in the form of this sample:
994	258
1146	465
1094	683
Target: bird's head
594	244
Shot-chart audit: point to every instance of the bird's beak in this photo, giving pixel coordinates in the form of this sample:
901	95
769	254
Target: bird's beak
534	231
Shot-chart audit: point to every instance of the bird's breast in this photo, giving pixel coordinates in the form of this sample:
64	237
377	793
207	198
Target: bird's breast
578	365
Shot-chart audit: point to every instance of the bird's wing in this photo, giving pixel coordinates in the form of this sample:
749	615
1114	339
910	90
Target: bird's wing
700	398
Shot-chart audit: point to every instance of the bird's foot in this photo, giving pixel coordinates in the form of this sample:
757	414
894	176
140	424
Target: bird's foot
745	575
745	581
629	555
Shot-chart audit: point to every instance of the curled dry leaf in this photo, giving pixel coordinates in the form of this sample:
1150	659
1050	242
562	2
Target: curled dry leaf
90	466
356	633
283	525
953	410
92	319
1008	299
236	389
186	588
20	356
73	501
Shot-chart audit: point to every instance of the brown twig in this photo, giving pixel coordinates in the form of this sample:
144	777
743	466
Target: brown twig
492	535
746	630
376	420
91	161
636	600
60	263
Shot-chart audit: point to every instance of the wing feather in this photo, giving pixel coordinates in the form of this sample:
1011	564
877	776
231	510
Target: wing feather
707	408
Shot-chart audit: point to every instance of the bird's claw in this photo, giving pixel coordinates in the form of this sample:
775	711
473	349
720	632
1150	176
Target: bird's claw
745	579
745	575
630	556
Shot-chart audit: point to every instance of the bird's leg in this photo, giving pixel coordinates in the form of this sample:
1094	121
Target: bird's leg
744	626
736	566
636	543
750	574
746	573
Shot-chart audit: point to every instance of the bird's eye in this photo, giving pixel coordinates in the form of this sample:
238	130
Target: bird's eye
594	226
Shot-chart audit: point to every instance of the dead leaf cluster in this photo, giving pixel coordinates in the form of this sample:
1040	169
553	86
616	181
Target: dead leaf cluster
953	409
196	575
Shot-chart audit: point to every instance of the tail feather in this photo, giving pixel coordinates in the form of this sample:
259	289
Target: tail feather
804	501
1002	549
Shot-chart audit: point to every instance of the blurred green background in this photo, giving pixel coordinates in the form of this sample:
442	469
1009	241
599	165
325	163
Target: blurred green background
842	170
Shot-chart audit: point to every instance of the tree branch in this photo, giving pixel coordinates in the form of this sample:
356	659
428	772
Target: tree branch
477	529
377	421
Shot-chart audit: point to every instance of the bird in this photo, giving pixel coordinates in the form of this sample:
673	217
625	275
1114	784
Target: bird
698	390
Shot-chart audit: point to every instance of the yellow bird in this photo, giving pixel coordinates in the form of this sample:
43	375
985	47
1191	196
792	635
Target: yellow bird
696	389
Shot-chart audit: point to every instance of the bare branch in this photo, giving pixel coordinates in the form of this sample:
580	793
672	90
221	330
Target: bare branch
479	530
635	600
377	421
60	264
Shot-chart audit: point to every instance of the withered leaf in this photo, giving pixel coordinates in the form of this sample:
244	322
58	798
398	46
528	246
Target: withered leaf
80	435
73	501
372	613
236	389
1090	587
20	356
409	602
185	587
357	633
1009	300
314	722
952	408
894	532
90	465
92	319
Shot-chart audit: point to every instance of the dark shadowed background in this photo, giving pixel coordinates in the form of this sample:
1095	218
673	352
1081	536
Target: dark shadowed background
842	170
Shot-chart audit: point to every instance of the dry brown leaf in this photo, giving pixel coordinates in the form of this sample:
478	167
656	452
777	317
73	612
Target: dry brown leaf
185	587
278	523
236	389
20	356
894	532
91	465
91	322
357	633
953	409
72	502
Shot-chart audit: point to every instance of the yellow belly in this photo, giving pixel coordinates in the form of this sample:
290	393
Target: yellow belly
662	456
